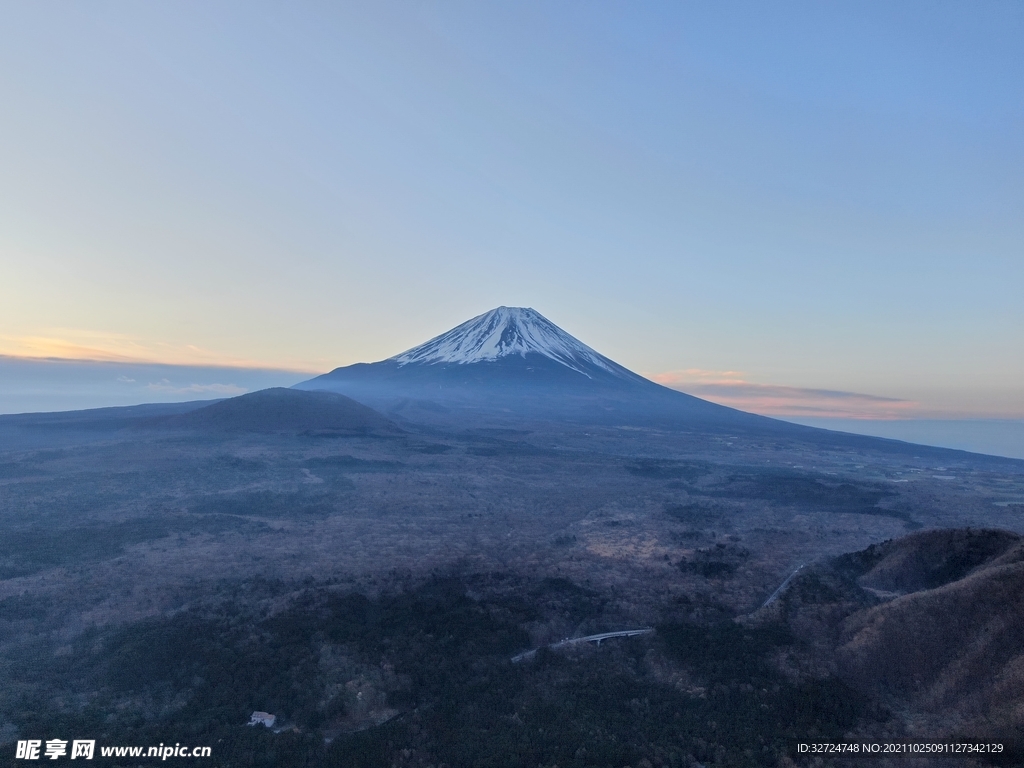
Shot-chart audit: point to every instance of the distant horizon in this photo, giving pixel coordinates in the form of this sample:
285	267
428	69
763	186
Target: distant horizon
92	385
732	388
78	384
722	387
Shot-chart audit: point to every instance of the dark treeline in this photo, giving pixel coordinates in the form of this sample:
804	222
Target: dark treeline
440	660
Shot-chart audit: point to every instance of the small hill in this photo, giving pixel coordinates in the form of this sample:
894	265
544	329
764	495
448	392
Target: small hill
285	410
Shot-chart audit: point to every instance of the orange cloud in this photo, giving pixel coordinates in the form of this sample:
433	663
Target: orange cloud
78	344
729	388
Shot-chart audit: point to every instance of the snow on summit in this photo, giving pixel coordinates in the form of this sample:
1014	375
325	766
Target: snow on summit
504	332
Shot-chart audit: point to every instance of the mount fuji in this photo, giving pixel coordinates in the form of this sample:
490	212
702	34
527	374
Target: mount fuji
514	362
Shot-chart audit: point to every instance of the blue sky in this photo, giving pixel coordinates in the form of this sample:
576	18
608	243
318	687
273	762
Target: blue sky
756	202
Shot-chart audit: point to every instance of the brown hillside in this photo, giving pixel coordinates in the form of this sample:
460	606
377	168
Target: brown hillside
932	622
957	649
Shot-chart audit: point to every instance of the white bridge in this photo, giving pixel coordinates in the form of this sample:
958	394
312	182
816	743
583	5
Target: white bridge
588	639
782	587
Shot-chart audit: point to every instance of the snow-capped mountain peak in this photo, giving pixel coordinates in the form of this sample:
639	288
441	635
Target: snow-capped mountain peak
504	332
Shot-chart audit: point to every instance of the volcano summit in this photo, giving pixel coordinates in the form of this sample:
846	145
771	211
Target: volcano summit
509	332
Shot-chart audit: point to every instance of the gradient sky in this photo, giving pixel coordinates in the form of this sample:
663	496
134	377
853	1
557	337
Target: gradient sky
765	200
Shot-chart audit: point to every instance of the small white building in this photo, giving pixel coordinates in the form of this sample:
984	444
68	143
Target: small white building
262	718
